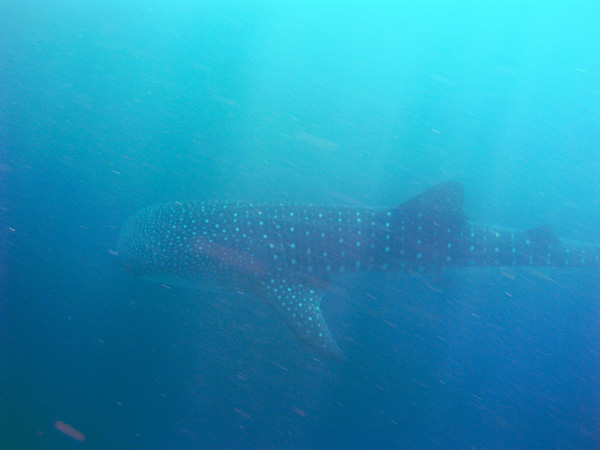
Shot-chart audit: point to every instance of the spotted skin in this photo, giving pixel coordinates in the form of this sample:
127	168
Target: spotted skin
287	254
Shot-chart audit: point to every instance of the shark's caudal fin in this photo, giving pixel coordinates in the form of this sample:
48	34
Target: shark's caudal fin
300	306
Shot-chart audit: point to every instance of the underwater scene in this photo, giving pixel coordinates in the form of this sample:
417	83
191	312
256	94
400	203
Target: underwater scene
297	224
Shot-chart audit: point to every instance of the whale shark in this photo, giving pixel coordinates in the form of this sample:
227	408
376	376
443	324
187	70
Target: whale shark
288	254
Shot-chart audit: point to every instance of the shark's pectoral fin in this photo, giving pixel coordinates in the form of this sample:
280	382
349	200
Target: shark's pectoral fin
300	306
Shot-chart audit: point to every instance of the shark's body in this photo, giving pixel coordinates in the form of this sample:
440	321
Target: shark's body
286	253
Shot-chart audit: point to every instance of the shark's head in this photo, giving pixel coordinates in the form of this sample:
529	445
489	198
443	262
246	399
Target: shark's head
130	246
139	247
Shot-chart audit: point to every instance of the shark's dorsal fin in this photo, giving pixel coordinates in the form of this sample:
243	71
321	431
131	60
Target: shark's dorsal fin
442	204
300	306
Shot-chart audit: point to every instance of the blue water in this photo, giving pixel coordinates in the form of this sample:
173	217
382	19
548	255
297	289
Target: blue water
107	107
